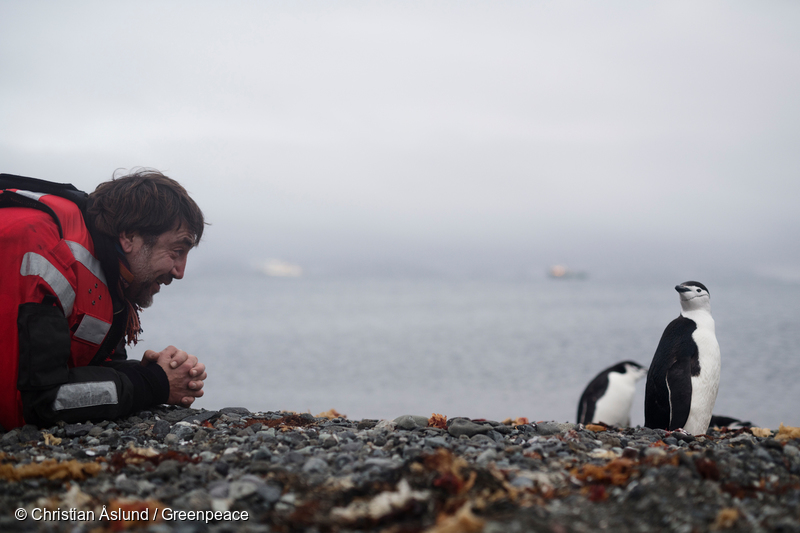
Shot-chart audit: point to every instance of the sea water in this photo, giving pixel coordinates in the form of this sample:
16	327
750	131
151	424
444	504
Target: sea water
481	348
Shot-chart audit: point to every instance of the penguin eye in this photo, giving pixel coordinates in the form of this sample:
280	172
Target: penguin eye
698	290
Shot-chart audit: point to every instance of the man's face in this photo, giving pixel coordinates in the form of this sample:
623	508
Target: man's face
155	265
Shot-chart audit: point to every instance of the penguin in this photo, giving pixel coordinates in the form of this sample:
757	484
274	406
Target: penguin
609	396
683	379
719	421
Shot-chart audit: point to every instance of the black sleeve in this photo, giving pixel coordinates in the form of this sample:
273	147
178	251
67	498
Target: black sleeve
52	392
150	382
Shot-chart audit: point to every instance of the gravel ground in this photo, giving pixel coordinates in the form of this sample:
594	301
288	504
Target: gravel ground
174	469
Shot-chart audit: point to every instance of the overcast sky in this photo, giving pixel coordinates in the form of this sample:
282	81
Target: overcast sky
612	136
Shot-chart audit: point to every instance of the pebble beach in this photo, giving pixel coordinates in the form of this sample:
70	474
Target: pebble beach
187	470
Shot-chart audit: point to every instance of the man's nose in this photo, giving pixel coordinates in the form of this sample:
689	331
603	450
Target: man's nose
178	268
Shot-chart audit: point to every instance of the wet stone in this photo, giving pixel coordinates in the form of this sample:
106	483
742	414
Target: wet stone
553	428
244	487
352	446
219	489
200	436
176	415
200	417
30	433
166	469
222	468
367	424
183	431
270	492
294	458
481	440
195	500
10	438
241	411
496	436
409	422
161	429
315	464
465	427
437	442
77	430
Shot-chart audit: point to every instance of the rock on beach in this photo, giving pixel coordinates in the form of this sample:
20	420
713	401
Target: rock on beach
196	470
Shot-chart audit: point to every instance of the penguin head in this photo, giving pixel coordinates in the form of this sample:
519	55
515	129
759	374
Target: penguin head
694	295
631	370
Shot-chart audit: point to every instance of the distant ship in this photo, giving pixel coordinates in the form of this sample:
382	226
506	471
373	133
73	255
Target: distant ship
280	269
562	272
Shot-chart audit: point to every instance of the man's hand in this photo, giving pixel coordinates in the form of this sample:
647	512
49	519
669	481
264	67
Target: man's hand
186	375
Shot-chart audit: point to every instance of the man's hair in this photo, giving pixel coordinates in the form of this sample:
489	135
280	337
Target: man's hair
145	202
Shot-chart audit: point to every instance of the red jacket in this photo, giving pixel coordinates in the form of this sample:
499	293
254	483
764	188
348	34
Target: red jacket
56	311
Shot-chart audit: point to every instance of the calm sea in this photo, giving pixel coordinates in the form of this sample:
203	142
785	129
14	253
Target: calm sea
380	348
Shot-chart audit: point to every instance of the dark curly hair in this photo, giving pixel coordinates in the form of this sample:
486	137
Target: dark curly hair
145	202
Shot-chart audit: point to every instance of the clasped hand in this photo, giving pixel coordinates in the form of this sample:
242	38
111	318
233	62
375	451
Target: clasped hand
186	375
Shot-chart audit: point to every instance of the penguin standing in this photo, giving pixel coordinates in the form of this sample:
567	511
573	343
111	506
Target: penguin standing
609	396
683	379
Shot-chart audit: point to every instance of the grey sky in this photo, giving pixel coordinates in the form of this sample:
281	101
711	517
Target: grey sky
613	135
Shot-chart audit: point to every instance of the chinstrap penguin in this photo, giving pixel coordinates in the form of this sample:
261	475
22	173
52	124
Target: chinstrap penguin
719	421
609	396
683	379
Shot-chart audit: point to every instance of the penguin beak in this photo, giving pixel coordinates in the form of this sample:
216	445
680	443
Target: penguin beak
681	288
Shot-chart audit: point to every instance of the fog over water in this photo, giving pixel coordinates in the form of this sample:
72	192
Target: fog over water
646	143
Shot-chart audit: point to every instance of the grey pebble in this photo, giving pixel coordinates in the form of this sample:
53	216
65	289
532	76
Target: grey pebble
244	487
315	465
486	457
77	430
30	433
461	426
219	489
411	422
437	442
242	411
161	429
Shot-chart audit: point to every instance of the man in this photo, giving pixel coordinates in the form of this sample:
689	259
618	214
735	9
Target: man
75	269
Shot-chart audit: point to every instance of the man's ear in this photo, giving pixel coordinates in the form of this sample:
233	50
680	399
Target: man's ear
126	241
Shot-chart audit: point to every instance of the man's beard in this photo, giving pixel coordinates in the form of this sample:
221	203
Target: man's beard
140	293
141	290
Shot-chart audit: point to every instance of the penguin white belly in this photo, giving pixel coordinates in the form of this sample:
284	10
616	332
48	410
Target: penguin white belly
706	384
614	407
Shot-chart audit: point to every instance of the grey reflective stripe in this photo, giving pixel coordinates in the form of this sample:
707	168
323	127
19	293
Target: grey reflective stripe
34	264
31	195
77	395
83	257
92	329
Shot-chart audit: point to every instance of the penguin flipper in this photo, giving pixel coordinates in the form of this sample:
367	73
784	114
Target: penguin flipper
656	401
679	384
